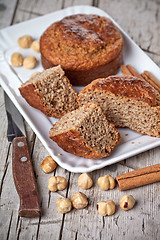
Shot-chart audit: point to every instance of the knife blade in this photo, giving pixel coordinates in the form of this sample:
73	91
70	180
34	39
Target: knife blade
22	169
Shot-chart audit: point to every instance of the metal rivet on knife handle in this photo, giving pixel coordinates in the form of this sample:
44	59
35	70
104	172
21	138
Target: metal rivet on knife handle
23	159
20	144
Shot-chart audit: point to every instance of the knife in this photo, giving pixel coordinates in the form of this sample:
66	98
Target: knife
21	163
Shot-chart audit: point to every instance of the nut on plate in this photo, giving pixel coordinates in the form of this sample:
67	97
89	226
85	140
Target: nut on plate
64	205
48	164
57	183
106	208
30	62
35	46
17	59
127	202
79	200
25	41
106	182
85	181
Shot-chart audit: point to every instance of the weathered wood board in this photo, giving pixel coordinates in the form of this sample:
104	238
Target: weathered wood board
141	20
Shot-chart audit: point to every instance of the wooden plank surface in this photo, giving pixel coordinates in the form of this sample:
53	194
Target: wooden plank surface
141	20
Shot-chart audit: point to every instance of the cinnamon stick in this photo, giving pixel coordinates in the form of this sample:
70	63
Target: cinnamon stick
134	72
139	177
147	76
153	84
157	89
125	70
152	78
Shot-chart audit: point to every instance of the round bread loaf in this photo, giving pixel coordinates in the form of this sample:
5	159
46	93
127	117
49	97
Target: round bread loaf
86	46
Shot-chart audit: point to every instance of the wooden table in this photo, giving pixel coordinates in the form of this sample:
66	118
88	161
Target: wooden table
141	20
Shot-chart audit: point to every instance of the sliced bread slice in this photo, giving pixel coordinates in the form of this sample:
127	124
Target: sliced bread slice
126	101
85	132
50	92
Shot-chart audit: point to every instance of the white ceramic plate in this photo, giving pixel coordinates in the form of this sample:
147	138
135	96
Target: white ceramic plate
11	78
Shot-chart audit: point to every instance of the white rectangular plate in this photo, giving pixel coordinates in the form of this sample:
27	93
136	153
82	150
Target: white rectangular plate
11	78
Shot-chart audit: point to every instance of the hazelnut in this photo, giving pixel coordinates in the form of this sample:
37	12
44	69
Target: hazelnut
25	41
17	59
106	182
34	74
35	46
106	208
30	62
64	205
79	200
127	202
85	181
57	183
48	165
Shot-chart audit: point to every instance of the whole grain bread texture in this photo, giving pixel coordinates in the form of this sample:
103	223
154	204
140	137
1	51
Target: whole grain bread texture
50	92
86	46
126	101
85	132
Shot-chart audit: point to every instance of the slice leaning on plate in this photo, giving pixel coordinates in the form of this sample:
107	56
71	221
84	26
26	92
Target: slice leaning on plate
85	132
50	92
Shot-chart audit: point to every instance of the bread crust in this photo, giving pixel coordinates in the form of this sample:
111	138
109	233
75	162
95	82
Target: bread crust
72	142
124	86
82	78
32	96
84	45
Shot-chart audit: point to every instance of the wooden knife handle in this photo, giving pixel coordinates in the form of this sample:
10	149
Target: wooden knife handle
24	179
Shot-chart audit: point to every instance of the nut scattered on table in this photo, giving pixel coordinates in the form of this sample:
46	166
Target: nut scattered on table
64	205
85	181
48	164
17	59
35	46
79	200
106	208
127	202
57	183
25	41
30	62
106	182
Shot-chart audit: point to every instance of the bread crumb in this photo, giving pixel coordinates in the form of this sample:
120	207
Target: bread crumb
34	74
